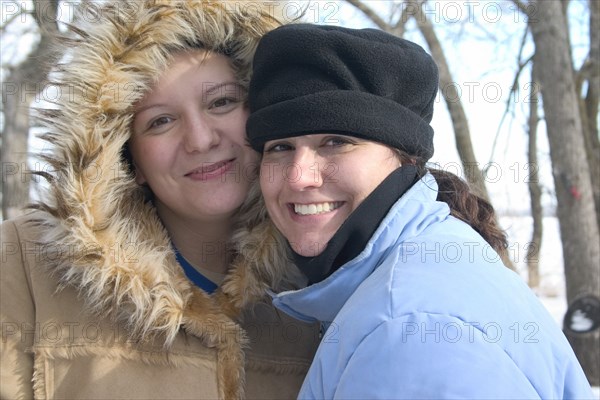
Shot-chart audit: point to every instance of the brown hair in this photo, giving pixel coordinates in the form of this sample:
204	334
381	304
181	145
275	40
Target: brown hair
464	203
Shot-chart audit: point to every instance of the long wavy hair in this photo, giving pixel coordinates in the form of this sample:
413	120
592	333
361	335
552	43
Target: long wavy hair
463	202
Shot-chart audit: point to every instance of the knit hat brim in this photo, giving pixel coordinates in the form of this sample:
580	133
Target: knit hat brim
351	113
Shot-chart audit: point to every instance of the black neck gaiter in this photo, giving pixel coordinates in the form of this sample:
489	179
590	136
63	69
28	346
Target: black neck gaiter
352	237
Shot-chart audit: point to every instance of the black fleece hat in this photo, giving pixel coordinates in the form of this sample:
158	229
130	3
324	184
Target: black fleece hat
359	82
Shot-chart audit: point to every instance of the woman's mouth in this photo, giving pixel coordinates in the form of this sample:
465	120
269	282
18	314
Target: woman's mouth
316	208
211	170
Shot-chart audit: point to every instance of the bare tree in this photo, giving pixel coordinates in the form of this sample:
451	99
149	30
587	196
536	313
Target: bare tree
571	120
23	84
535	190
533	184
588	102
570	168
460	123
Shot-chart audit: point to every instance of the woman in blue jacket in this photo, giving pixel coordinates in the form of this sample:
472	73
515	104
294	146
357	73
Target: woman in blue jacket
402	261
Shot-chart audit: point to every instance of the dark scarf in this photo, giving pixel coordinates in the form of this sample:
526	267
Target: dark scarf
352	237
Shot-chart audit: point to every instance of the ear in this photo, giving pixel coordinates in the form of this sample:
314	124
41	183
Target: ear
140	179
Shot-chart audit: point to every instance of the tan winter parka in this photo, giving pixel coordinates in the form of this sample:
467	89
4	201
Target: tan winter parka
93	302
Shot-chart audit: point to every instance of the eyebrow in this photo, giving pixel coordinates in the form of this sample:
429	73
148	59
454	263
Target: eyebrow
139	110
206	90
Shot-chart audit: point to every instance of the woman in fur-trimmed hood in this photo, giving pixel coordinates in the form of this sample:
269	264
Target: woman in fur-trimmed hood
96	298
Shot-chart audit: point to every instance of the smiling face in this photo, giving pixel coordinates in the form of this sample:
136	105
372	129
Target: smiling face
188	142
311	184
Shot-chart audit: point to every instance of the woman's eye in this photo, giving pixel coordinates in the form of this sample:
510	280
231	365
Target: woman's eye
277	147
337	141
159	122
223	104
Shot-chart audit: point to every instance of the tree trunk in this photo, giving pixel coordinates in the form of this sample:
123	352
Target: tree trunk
23	86
535	191
589	104
571	173
15	182
471	169
473	173
460	124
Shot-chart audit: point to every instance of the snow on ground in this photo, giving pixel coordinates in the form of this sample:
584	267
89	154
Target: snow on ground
551	291
552	280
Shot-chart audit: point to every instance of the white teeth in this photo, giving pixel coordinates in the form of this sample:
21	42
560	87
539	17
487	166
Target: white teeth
313	209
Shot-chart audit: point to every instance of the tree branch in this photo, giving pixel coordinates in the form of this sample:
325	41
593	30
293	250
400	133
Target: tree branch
514	88
457	113
33	69
407	12
371	14
46	16
535	189
521	6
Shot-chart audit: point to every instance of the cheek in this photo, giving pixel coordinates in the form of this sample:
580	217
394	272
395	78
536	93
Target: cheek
234	126
149	157
271	188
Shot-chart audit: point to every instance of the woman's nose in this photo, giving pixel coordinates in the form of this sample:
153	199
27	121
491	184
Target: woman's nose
305	171
200	135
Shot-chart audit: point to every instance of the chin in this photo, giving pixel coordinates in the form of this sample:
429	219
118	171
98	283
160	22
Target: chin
308	248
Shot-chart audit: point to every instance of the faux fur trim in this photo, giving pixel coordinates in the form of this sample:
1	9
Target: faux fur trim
39	378
111	245
262	263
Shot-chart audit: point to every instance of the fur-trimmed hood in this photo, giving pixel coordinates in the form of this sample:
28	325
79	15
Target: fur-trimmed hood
120	257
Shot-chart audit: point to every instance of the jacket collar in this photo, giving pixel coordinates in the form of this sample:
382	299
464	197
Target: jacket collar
408	217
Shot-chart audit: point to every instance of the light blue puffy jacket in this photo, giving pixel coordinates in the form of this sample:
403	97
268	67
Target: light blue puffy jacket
428	310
